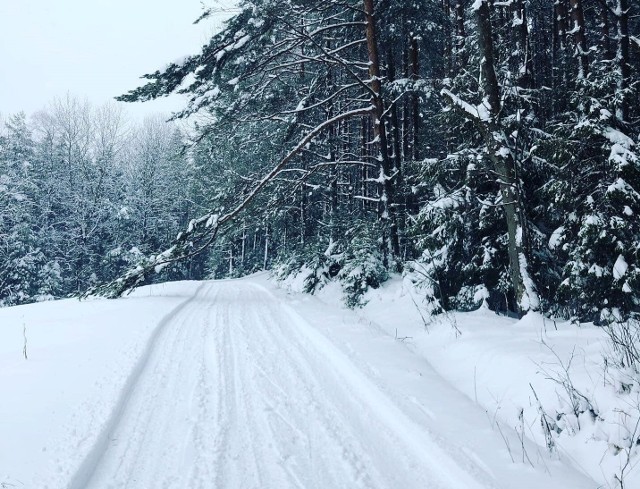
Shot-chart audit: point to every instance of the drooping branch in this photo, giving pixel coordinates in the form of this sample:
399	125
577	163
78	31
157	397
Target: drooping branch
202	232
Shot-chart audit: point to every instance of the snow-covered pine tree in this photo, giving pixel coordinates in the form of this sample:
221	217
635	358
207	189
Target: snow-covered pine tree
26	274
312	83
593	190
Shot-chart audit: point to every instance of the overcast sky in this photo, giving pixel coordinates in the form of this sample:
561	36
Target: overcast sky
93	48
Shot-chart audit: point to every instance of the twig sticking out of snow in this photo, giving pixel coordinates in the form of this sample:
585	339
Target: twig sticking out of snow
546	422
24	336
403	338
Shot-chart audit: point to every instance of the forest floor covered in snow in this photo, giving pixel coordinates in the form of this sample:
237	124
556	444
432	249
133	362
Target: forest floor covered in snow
239	384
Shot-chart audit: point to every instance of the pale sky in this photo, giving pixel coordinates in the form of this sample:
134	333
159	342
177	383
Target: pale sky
96	49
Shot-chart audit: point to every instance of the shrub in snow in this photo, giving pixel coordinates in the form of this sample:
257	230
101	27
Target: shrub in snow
363	269
605	415
596	405
357	265
311	269
625	347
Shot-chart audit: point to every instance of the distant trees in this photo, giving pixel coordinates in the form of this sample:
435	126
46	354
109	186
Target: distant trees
82	195
157	180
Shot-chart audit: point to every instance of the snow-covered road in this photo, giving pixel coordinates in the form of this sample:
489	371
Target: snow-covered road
236	393
237	390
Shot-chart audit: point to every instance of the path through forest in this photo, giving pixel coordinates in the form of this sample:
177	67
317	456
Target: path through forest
237	390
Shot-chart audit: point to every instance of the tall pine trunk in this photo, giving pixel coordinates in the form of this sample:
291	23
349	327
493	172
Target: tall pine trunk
391	243
622	59
505	168
578	31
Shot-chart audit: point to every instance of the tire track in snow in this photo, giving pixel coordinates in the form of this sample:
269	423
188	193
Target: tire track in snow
313	423
235	390
316	431
87	469
373	418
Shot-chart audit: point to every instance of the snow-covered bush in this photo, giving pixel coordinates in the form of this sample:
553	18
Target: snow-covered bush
356	266
312	269
462	236
363	269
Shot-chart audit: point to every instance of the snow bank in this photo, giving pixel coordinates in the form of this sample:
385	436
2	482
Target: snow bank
513	369
429	372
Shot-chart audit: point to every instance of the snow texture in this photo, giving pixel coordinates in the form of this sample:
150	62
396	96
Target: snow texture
235	384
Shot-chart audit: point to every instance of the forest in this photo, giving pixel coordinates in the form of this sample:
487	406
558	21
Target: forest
487	148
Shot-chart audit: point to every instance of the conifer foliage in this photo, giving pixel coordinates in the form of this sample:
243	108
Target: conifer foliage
83	196
487	147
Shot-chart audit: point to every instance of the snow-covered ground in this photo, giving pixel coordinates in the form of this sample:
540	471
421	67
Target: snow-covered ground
54	405
239	384
514	368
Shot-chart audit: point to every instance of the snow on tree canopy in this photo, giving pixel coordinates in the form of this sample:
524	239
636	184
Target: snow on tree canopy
620	268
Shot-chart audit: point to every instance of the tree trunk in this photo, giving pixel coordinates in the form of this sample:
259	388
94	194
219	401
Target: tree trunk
525	77
387	210
461	35
580	36
605	33
303	215
415	99
265	261
559	74
505	168
449	43
622	58
244	243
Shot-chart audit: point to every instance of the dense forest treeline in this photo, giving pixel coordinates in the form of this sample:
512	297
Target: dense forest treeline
83	194
489	147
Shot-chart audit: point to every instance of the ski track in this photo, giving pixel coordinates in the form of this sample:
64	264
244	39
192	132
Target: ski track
238	391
